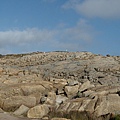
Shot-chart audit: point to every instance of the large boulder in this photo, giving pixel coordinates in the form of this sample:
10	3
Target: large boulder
38	111
7	116
108	104
22	110
13	103
32	89
101	106
75	85
114	103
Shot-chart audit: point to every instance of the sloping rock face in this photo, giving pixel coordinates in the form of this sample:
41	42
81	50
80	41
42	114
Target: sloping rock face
60	85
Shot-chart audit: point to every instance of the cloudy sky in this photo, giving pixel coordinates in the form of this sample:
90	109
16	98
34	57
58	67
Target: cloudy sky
53	25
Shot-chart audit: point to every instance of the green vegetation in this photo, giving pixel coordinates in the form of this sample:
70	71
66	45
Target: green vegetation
116	117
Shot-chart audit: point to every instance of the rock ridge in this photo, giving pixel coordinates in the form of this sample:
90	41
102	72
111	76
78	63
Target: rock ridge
59	85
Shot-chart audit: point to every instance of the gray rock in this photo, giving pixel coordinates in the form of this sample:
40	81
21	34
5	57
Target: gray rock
43	99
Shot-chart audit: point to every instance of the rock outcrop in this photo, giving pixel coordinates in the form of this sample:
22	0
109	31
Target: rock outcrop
59	86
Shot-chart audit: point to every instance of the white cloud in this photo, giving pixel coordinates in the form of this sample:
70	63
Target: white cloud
24	40
72	38
95	8
82	31
17	37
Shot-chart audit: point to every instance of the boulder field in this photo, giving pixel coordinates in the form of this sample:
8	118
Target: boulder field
59	86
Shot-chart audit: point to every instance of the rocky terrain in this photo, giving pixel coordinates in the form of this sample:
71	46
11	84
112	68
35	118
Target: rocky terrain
59	86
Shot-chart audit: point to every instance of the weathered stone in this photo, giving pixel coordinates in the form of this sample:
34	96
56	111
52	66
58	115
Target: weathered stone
101	93
38	97
43	99
7	116
71	91
72	82
108	80
59	85
60	99
91	105
113	102
45	118
51	98
102	107
75	85
1	110
10	90
11	81
13	103
84	105
63	107
22	110
38	111
59	119
30	89
60	91
74	106
85	86
108	104
87	93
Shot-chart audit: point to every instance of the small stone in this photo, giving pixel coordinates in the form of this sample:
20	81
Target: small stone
43	99
71	91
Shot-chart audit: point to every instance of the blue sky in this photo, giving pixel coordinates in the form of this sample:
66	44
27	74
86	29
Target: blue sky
53	25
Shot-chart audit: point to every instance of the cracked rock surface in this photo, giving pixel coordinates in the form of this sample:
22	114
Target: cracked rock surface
59	86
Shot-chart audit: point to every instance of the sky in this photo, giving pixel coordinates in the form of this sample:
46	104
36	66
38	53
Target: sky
60	25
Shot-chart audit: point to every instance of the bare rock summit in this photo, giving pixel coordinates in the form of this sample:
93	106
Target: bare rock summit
59	86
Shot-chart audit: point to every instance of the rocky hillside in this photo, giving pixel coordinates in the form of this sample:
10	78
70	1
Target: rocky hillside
59	86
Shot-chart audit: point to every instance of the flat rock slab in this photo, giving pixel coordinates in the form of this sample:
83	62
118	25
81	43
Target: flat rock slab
5	116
